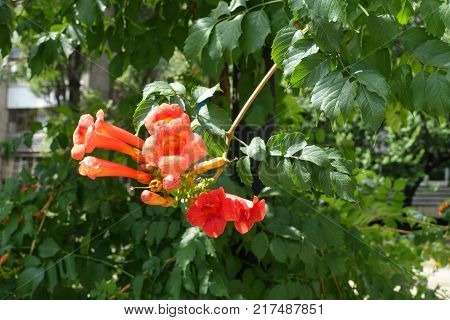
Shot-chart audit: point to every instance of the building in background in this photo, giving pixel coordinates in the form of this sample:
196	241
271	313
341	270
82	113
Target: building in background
19	108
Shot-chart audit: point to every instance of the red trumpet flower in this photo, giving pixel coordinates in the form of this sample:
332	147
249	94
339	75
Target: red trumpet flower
247	212
94	168
211	211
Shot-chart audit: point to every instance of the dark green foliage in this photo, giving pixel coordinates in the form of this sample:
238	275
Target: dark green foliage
335	202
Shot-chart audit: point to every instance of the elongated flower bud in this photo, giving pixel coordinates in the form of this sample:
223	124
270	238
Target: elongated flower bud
120	134
205	166
155	199
97	140
94	168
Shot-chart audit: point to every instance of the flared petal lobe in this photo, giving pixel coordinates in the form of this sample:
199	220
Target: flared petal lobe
247	212
94	168
79	135
166	115
211	211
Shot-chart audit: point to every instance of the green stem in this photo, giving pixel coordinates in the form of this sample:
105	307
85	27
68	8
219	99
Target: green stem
106	263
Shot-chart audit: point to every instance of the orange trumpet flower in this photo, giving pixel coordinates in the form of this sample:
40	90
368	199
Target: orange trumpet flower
79	135
94	168
95	139
106	128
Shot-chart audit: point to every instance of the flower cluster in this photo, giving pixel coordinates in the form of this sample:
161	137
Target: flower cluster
166	158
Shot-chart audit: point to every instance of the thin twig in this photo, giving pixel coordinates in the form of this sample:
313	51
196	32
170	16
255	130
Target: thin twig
337	286
249	102
43	213
383	228
121	291
240	116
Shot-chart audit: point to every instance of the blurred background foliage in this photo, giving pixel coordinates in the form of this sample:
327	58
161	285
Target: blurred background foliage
66	237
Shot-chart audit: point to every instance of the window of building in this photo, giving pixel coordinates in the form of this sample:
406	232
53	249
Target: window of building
12	167
20	120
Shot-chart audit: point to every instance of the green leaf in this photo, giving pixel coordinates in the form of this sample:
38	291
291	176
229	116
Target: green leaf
220	10
296	5
52	276
315	155
6	13
296	53
418	90
414	37
234	4
268	173
343	186
301	176
401	83
405	13
217	286
281	43
433	52
307	253
29	280
158	87
310	70
142	110
333	10
215	143
278	249
200	94
5	41
430	12
188	236
137	285
373	81
372	107
336	264
179	88
215	119
215	49
5	209
198	38
117	66
383	29
48	248
445	14
87	11
286	144
256	149
327	35
244	172
255	29
334	95
185	256
173	284
229	32
260	245
437	90
278	19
